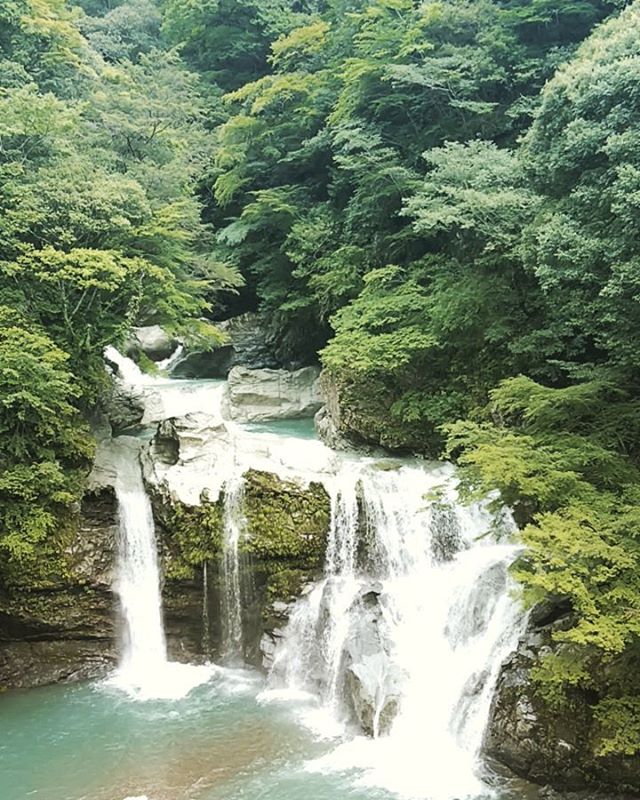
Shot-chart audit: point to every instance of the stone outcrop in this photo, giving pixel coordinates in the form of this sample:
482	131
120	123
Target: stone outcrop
65	631
153	341
124	406
248	342
255	395
551	744
372	680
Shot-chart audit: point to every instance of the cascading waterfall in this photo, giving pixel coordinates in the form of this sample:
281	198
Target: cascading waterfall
406	632
144	670
231	586
138	582
206	625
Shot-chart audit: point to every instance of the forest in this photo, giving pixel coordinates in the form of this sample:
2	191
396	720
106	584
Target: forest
439	201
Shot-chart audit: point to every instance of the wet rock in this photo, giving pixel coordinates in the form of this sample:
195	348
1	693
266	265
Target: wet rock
125	406
372	681
65	631
27	664
328	419
255	395
446	535
153	341
545	744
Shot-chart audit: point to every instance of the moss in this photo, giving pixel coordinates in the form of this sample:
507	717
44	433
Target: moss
285	520
193	535
286	584
80	611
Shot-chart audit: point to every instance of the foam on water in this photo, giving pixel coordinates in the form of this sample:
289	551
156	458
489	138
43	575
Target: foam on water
447	622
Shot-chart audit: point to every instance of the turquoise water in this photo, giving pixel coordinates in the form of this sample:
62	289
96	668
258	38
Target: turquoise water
300	428
91	742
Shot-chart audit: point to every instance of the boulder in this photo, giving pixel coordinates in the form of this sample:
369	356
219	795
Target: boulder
154	342
125	406
548	744
255	395
372	680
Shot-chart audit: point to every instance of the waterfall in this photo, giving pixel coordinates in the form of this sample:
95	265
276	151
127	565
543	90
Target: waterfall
206	625
230	583
406	632
144	670
138	581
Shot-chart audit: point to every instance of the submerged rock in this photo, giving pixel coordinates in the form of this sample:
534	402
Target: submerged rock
255	395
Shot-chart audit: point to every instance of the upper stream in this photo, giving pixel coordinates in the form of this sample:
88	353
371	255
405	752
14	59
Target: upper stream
413	616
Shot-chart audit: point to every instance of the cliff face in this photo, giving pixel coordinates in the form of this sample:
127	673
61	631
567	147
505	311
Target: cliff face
549	743
69	631
66	631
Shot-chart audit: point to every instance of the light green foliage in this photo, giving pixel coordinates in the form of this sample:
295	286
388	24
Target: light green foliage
45	449
100	229
560	458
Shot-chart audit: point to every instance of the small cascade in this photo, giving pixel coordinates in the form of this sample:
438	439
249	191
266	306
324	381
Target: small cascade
206	624
230	577
144	670
406	632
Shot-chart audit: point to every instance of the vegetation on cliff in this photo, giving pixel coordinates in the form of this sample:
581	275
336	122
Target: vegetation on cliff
439	197
101	140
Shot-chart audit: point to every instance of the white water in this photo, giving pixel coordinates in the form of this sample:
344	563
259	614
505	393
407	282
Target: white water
444	621
144	670
445	627
231	589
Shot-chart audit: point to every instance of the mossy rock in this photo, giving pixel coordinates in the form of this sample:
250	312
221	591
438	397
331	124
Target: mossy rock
80	613
285	521
190	536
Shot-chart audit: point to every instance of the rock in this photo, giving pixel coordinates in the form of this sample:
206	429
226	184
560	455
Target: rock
286	521
328	420
446	534
372	680
125	406
255	395
154	342
104	470
269	644
249	343
66	631
545	744
24	665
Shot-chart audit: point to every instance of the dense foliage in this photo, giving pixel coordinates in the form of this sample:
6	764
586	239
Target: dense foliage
442	197
101	140
439	198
